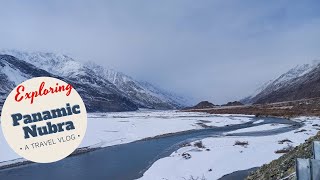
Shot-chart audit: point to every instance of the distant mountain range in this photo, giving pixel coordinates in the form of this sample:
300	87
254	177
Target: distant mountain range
142	93
105	90
102	90
301	82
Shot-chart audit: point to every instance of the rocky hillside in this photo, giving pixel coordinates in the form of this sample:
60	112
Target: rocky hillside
14	71
285	165
101	79
234	103
202	105
301	82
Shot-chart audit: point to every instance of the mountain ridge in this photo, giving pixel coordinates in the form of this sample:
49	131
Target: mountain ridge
95	100
297	83
104	80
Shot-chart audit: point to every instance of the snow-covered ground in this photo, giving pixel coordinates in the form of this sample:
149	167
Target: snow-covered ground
118	128
218	156
107	129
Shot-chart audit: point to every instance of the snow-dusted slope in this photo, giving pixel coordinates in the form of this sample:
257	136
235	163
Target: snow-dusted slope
14	72
143	93
104	80
289	85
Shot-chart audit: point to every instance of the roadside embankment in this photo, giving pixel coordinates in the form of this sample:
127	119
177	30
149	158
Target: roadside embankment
285	165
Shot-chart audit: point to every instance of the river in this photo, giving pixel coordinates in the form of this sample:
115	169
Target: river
128	161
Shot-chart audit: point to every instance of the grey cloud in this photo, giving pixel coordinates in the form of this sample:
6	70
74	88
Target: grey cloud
210	50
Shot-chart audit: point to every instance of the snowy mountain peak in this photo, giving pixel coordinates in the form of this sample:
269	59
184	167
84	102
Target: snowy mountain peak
51	62
295	72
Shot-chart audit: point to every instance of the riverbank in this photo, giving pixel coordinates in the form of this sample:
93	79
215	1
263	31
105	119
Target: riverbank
21	162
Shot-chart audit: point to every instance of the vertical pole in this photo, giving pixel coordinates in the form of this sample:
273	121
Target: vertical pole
316	150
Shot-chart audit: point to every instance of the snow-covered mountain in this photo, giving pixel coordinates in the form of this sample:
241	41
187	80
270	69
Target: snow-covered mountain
63	66
297	83
107	81
14	71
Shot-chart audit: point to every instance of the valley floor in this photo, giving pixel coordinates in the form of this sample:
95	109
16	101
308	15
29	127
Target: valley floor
210	158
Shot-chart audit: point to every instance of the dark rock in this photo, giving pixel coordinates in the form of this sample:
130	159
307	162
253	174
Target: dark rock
234	103
203	105
186	155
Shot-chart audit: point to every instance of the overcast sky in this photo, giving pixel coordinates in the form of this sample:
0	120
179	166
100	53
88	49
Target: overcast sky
217	50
